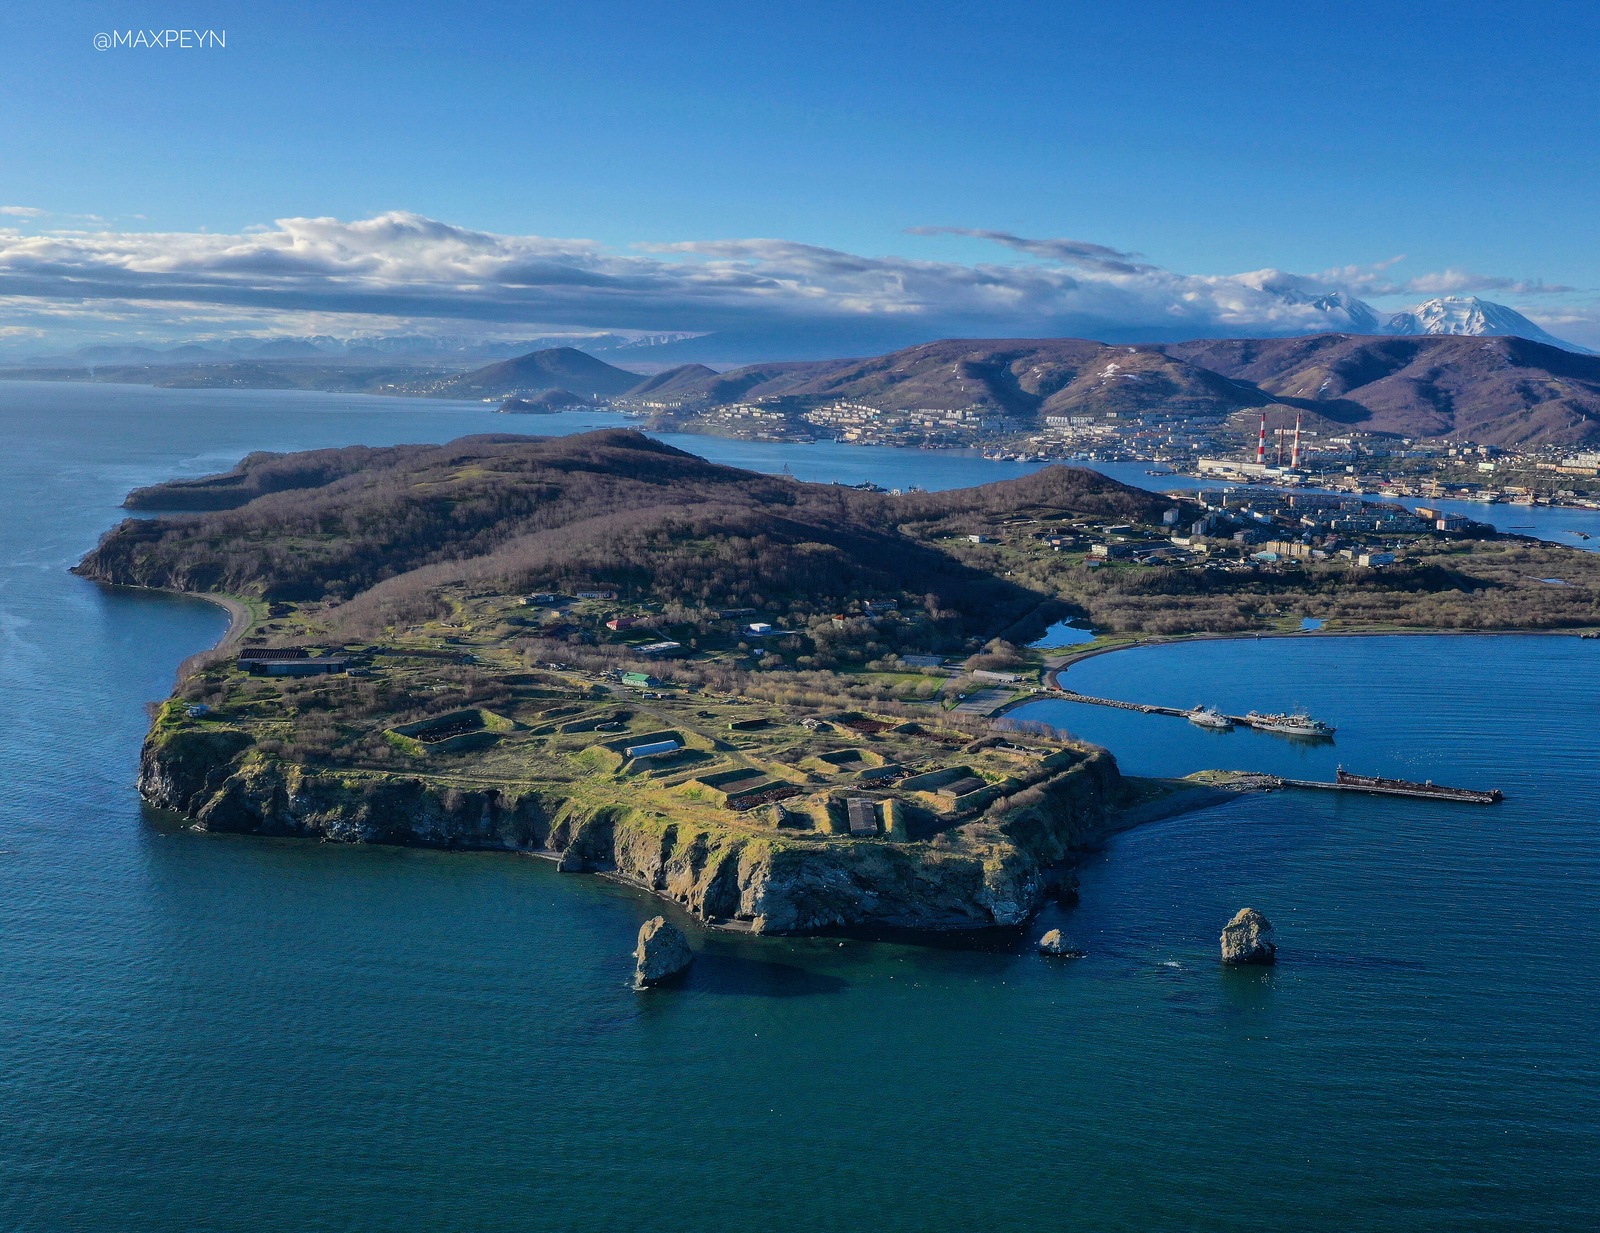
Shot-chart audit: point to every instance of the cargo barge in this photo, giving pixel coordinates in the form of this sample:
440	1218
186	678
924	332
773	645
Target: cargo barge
1345	781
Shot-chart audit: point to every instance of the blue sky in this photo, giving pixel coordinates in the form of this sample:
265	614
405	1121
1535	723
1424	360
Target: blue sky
1210	140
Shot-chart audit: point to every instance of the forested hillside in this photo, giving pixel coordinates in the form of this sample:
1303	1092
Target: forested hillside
382	530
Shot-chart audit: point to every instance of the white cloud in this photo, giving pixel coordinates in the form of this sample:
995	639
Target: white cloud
1374	280
405	268
21	211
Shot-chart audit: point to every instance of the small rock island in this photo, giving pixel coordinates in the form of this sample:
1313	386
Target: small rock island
1054	944
1248	939
662	955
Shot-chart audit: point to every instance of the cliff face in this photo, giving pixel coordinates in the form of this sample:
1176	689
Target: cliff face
989	873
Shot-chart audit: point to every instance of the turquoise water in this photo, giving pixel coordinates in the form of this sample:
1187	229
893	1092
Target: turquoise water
216	1033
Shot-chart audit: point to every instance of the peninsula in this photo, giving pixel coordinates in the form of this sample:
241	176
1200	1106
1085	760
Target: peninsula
769	701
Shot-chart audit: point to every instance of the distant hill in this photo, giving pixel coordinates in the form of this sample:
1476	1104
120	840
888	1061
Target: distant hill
673	380
754	381
554	368
1023	377
1496	391
1032	377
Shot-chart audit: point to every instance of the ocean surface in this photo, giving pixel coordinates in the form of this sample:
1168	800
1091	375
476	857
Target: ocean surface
228	1034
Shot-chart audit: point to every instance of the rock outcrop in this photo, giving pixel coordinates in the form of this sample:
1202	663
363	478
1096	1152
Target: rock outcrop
1247	938
1054	944
998	872
662	954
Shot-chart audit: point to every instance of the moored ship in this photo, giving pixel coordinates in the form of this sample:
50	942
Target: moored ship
1210	717
1297	723
1406	787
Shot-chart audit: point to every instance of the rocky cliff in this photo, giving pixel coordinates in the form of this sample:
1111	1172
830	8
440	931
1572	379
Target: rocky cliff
993	872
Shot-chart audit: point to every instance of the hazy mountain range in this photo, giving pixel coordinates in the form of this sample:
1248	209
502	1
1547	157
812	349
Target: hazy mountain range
1464	315
1449	367
413	349
1491	390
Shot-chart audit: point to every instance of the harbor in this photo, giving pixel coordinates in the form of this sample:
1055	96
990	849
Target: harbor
1306	730
1296	724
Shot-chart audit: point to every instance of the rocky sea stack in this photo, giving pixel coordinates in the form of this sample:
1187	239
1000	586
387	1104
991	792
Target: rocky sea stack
1247	938
662	954
1054	944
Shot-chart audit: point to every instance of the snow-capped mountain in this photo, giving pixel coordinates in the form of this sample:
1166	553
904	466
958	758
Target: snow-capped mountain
1467	314
1354	316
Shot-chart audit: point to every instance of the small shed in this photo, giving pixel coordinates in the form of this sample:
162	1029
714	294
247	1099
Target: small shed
271	654
863	814
651	749
289	661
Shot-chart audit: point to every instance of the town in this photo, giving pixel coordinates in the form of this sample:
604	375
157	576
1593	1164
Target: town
1282	447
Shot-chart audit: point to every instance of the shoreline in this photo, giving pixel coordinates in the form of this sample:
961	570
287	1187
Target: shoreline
1065	660
239	616
240	619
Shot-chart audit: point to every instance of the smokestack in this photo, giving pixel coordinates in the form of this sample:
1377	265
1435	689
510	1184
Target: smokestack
1294	458
1261	441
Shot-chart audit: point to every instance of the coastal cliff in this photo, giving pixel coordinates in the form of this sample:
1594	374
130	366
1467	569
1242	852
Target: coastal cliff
764	700
992	872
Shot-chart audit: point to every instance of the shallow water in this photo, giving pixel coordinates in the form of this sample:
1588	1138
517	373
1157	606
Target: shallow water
221	1033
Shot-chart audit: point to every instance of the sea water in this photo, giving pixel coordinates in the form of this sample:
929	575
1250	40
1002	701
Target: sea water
224	1033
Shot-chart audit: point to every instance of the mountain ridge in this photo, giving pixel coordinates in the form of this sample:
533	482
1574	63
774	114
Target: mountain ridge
1494	390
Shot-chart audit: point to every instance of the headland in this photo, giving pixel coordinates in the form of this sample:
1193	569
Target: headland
767	701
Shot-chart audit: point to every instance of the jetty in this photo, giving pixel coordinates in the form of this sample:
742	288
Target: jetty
1265	723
